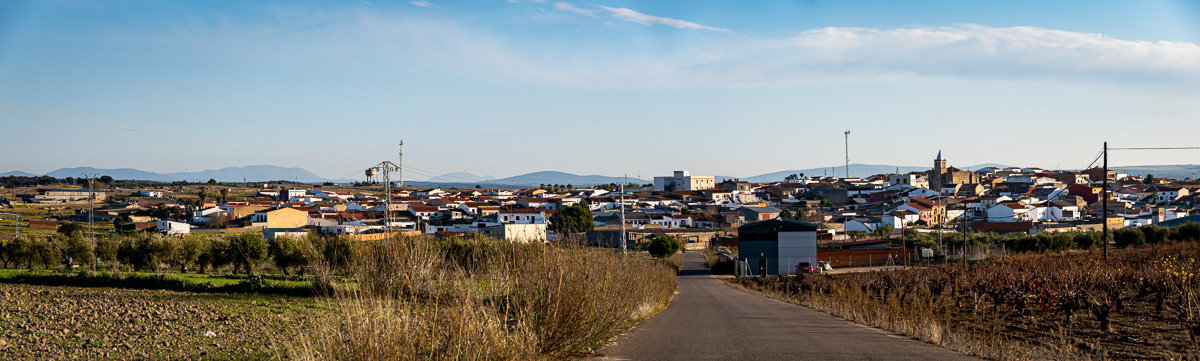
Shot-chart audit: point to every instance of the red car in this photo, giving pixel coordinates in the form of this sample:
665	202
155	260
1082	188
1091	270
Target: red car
804	267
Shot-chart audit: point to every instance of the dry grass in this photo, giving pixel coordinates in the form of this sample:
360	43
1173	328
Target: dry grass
419	298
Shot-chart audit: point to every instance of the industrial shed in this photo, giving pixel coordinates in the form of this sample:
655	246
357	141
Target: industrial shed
776	246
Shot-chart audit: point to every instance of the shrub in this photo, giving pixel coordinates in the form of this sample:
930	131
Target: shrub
247	251
1189	231
20	250
288	252
216	254
1155	234
663	246
71	227
187	251
78	249
106	250
573	219
415	299
144	251
1054	241
923	242
48	250
1129	237
1087	240
339	254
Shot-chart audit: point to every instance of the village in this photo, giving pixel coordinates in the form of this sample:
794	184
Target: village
700	211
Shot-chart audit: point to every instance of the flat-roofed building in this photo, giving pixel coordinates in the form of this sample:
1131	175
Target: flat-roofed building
53	195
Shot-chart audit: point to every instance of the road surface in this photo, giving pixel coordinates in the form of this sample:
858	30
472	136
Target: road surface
708	320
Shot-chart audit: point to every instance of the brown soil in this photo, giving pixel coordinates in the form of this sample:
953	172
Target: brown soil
64	323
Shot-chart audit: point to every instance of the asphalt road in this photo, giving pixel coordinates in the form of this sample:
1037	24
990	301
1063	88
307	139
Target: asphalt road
708	320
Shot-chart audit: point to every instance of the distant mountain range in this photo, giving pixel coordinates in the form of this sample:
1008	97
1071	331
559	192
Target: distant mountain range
1163	171
261	173
535	178
254	173
18	174
456	177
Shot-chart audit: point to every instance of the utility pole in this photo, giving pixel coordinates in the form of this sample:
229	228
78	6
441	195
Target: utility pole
91	207
1104	201
847	154
621	203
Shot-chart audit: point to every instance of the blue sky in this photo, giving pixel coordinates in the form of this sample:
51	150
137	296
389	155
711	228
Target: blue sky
605	87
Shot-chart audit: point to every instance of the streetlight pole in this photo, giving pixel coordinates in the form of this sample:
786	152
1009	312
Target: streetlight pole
621	203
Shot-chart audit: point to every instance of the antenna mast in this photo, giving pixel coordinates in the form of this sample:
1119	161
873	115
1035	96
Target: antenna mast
400	169
847	154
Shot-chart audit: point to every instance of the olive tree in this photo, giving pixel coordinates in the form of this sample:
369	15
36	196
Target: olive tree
247	251
663	246
288	252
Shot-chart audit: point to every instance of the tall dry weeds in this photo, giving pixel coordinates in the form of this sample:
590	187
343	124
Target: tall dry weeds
477	298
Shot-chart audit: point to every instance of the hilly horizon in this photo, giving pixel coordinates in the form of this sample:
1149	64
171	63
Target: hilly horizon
261	173
254	173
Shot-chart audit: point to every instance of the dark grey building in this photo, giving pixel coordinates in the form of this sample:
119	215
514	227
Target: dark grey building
776	246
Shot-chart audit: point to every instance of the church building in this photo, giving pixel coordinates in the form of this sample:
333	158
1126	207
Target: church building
941	176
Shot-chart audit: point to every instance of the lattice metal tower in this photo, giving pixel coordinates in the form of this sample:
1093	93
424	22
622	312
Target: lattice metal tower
386	168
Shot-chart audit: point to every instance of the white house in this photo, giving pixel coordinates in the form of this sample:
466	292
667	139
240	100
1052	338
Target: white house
912	180
1061	211
524	216
1167	194
900	218
425	212
173	228
204	215
1006	212
431	193
864	225
148	193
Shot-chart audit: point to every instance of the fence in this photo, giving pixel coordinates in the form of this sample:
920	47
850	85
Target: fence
974	253
865	257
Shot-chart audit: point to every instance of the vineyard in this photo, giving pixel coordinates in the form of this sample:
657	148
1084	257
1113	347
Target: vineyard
1141	303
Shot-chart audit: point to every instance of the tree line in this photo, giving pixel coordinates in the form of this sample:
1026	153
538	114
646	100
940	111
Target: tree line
1062	241
236	253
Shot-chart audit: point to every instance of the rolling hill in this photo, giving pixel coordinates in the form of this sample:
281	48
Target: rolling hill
254	173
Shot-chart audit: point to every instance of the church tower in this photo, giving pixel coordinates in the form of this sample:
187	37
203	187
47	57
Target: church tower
938	173
939	164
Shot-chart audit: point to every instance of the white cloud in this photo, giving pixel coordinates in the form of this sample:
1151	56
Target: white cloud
972	51
632	16
640	18
422	3
832	54
563	6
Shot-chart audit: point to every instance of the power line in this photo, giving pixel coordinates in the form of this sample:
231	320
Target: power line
1157	148
1098	155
